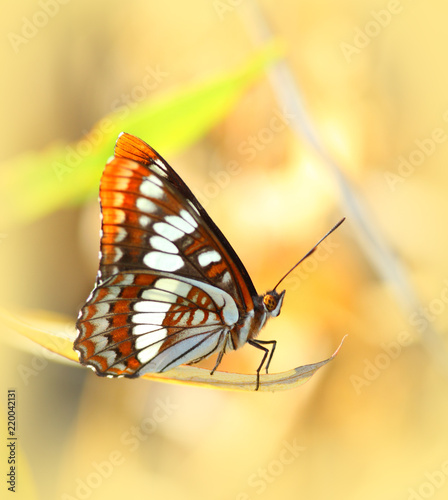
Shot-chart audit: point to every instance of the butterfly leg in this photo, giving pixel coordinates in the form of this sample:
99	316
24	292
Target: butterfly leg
218	361
222	337
267	354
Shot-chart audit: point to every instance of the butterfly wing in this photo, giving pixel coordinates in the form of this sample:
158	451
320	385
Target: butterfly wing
169	287
240	284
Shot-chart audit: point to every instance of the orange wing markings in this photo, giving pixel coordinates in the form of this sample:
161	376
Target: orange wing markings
133	148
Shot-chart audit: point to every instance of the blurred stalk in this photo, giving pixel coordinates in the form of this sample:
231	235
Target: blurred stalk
370	237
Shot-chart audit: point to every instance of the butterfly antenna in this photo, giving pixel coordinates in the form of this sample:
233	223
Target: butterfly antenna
311	251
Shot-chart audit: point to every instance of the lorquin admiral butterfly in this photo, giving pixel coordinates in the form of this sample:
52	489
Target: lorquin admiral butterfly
170	289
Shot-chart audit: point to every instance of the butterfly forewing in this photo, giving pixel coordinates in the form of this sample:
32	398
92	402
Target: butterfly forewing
170	287
133	148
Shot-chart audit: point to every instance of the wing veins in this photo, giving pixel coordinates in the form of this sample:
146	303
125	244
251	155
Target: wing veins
124	358
191	349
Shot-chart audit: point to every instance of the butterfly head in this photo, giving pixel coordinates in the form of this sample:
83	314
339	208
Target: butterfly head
272	302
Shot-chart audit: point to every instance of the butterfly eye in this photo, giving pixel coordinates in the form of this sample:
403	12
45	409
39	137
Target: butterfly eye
270	302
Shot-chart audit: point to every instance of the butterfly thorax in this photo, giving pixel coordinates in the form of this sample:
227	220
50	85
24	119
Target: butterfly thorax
249	326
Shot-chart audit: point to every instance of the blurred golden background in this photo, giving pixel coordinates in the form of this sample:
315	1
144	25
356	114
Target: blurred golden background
373	79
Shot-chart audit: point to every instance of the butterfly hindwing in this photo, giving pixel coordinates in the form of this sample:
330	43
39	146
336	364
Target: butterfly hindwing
138	323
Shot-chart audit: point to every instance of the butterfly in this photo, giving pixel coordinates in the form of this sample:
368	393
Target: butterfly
170	289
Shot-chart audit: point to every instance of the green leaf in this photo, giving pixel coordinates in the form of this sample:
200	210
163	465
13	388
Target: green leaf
36	184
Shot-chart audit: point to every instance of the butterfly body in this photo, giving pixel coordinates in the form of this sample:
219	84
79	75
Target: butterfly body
170	288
